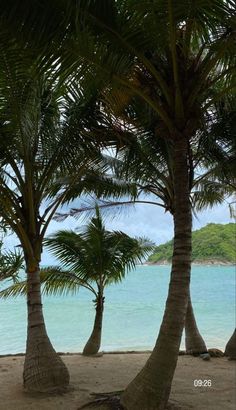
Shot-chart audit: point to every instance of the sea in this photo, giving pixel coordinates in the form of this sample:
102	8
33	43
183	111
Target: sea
132	314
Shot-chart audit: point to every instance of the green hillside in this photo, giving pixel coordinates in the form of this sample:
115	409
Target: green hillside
212	243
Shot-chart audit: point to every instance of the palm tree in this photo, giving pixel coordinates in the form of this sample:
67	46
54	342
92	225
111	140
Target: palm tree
152	173
178	58
29	118
94	259
100	257
43	159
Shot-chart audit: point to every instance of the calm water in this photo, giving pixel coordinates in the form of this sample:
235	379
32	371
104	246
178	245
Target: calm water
133	311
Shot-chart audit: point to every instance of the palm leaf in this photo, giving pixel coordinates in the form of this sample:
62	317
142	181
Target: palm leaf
17	289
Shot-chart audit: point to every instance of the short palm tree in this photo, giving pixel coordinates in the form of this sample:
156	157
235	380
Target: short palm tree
93	258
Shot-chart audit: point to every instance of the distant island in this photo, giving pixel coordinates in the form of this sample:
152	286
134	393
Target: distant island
212	244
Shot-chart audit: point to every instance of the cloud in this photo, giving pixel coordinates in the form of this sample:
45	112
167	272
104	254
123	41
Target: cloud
141	220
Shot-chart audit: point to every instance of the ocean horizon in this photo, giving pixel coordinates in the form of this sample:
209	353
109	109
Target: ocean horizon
133	312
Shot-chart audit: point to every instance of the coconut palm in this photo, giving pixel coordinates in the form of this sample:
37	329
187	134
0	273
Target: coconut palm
94	259
29	118
152	174
44	159
213	178
178	58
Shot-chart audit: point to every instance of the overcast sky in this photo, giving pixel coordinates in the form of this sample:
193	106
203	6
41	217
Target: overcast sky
141	220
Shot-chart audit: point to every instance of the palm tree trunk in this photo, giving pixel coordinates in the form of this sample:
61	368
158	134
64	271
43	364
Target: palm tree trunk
94	342
230	349
194	342
44	371
151	388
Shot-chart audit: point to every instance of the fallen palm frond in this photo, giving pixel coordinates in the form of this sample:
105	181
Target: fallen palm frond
110	399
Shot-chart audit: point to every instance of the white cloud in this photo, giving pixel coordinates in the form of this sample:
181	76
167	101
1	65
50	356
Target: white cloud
141	220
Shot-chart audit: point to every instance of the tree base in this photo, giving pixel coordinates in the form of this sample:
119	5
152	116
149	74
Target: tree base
44	370
91	348
230	349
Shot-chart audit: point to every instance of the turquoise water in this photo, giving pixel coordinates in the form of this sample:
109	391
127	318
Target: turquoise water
133	312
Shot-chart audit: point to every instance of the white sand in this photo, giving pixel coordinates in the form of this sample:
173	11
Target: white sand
113	372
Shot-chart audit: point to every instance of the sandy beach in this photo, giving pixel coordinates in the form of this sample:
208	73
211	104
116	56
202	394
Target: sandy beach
112	372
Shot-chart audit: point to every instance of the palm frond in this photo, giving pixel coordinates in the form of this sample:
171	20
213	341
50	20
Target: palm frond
17	289
57	281
95	254
11	262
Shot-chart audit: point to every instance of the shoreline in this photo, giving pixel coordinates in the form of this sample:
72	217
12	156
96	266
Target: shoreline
195	263
102	353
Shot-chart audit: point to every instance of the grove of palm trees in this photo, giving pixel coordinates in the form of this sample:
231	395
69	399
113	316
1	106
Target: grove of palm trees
107	105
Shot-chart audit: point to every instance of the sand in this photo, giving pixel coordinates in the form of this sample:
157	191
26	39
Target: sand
113	372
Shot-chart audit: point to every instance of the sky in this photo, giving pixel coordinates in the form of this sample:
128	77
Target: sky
140	220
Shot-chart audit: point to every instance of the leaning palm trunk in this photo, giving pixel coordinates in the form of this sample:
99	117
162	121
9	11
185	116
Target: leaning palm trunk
230	349
44	371
94	342
151	388
194	342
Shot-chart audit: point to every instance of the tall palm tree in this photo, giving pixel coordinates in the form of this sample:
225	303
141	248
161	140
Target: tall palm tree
213	177
178	58
29	115
152	173
43	159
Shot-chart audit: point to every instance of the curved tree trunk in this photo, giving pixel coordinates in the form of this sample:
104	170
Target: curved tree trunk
151	387
44	371
94	342
194	342
230	348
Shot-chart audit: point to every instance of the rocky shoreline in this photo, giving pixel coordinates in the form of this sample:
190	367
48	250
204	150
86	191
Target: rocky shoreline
196	262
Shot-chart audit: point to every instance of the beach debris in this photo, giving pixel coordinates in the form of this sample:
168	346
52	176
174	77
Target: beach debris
205	356
215	352
111	400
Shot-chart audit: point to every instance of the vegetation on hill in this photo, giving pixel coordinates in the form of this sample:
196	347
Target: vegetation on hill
213	242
